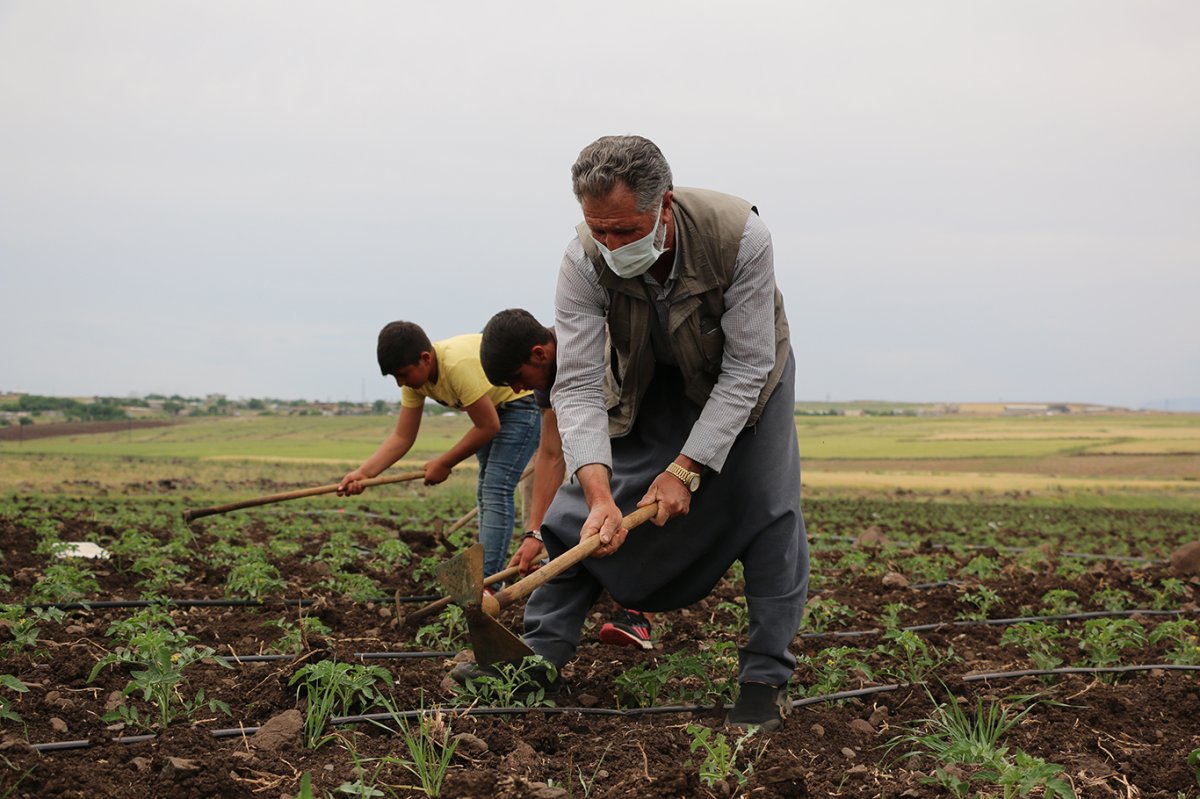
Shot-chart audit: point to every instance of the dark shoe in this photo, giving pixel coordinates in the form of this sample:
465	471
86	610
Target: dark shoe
628	628
537	677
759	705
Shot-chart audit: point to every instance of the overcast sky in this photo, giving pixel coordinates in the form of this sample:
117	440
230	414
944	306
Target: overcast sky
969	201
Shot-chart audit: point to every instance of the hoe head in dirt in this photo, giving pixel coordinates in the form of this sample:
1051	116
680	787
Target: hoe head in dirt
462	578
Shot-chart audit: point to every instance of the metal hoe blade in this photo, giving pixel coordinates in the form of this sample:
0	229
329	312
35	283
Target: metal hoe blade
462	577
491	640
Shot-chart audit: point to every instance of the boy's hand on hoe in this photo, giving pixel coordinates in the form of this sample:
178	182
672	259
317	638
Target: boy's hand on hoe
352	483
528	557
436	472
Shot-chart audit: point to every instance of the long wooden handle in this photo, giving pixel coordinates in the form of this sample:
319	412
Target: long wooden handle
568	559
188	515
434	607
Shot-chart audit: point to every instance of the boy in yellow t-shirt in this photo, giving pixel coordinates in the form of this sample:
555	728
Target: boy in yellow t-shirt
503	435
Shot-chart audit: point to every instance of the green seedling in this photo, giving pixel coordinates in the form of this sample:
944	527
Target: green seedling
1104	640
252	577
159	657
338	552
736	609
446	631
67	581
889	617
392	553
295	636
331	689
1025	774
1041	642
1060	602
161	575
364	785
1033	559
13	684
909	658
1071	569
516	685
352	585
821	614
1194	761
425	572
586	783
935	568
429	746
831	670
982	566
1114	599
1182	637
720	756
689	675
951	735
23	627
982	599
142	621
1167	594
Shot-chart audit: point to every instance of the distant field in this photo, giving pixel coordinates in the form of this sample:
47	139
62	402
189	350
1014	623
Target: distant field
1120	459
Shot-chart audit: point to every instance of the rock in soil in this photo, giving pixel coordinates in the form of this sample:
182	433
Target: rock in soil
279	731
1186	559
178	765
521	759
862	726
471	743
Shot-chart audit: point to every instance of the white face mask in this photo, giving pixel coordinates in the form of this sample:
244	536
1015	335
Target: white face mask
636	257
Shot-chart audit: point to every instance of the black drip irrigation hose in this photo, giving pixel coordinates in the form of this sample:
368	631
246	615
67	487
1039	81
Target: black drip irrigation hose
240	659
1018	550
1006	675
920	628
231	732
208	603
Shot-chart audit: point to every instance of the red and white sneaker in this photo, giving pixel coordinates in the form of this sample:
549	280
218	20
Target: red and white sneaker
628	628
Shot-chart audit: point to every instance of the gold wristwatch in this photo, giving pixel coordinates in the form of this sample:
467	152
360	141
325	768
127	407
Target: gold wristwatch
689	479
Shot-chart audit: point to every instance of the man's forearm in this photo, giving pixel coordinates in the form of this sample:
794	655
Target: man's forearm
548	472
594	480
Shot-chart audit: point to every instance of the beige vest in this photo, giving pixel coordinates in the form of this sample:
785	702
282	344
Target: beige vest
708	232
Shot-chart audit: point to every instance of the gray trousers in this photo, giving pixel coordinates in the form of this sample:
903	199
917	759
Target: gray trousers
749	512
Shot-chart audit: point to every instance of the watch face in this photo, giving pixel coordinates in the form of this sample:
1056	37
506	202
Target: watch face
694	483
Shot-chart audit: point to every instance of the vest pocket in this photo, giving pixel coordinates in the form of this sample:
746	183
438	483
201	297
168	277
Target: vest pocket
712	343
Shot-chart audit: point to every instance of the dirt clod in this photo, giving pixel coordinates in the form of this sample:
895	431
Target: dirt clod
1186	559
278	731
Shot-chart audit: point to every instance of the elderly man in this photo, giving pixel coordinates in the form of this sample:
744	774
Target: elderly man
692	409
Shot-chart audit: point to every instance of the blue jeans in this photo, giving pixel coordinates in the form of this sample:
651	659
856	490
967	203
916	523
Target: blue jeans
501	462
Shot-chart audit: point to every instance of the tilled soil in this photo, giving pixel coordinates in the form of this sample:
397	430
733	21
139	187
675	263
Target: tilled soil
1126	738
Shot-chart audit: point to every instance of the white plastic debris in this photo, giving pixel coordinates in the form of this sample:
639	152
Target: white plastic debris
82	549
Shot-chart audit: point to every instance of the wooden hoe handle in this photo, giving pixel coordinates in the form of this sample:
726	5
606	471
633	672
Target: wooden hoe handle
568	559
188	515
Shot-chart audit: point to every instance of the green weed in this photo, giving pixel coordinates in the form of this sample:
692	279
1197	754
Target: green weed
720	756
331	689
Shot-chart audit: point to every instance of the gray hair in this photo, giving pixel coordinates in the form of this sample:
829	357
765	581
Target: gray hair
632	159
